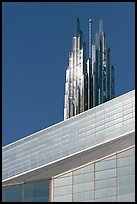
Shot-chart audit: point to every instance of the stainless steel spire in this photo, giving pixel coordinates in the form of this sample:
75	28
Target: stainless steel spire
89	81
74	87
78	26
90	39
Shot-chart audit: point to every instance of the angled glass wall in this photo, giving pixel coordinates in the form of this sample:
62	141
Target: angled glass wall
100	124
108	180
37	191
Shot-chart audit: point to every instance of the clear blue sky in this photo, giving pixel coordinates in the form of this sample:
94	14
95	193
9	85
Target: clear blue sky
36	40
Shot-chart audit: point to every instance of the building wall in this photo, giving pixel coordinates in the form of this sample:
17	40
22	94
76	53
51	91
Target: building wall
27	192
109	180
93	127
64	147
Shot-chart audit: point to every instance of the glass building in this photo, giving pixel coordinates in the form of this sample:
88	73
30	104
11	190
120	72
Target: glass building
89	157
89	80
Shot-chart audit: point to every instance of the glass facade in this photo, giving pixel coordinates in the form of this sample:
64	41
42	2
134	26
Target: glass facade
27	192
108	180
90	128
